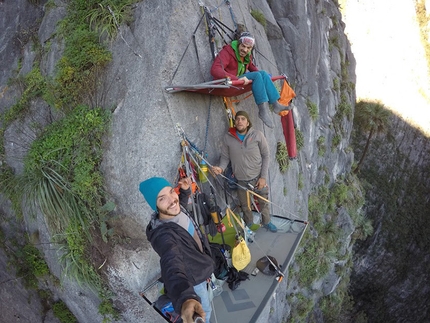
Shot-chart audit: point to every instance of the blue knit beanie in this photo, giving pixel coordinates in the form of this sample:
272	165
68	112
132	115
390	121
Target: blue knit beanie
150	189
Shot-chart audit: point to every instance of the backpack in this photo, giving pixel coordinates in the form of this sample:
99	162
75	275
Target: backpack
221	267
204	205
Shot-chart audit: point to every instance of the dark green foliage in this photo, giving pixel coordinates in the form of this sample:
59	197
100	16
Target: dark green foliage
106	17
321	146
259	16
300	139
313	109
397	199
32	85
108	311
62	169
35	260
29	264
321	245
282	157
78	69
371	117
62	176
63	313
335	142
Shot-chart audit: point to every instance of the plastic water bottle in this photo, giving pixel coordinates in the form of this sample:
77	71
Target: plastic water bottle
216	288
203	171
228	258
249	234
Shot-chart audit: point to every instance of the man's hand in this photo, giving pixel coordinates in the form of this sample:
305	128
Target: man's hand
185	183
216	170
190	308
261	183
245	80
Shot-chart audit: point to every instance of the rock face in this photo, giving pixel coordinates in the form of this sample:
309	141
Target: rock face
390	265
144	135
305	40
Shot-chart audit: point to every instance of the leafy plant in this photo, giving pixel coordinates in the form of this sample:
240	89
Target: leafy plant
372	117
423	18
313	109
259	16
79	68
103	218
336	141
282	156
106	17
344	107
300	139
108	311
300	183
32	85
35	260
336	85
62	312
320	247
29	264
62	177
321	146
333	42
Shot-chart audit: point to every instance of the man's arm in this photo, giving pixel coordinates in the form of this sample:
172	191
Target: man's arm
265	155
190	309
220	66
184	191
224	160
173	270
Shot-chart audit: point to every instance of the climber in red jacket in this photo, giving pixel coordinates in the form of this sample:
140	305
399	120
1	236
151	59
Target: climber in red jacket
235	62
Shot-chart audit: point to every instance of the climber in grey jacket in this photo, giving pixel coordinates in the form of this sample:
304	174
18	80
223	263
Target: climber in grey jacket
247	150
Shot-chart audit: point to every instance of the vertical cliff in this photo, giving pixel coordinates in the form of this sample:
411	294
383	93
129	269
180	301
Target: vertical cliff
304	39
390	279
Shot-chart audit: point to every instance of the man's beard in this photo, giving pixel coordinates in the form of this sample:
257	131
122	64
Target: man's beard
242	131
170	212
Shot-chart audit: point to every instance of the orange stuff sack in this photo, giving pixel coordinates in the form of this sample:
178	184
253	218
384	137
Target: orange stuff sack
287	94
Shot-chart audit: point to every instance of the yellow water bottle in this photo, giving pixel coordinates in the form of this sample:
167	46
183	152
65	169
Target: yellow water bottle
203	171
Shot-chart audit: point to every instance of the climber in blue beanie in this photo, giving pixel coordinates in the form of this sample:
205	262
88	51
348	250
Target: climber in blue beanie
185	256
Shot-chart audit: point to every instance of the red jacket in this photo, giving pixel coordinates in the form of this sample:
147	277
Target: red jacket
225	64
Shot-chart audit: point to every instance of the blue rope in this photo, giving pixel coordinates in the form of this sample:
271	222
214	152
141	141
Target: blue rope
231	13
227	2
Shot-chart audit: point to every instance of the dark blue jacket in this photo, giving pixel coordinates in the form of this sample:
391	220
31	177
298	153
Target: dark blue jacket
182	263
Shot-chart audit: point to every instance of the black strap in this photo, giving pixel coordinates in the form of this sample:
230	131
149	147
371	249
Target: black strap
193	37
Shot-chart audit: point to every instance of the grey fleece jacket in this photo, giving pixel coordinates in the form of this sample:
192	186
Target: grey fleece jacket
250	158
